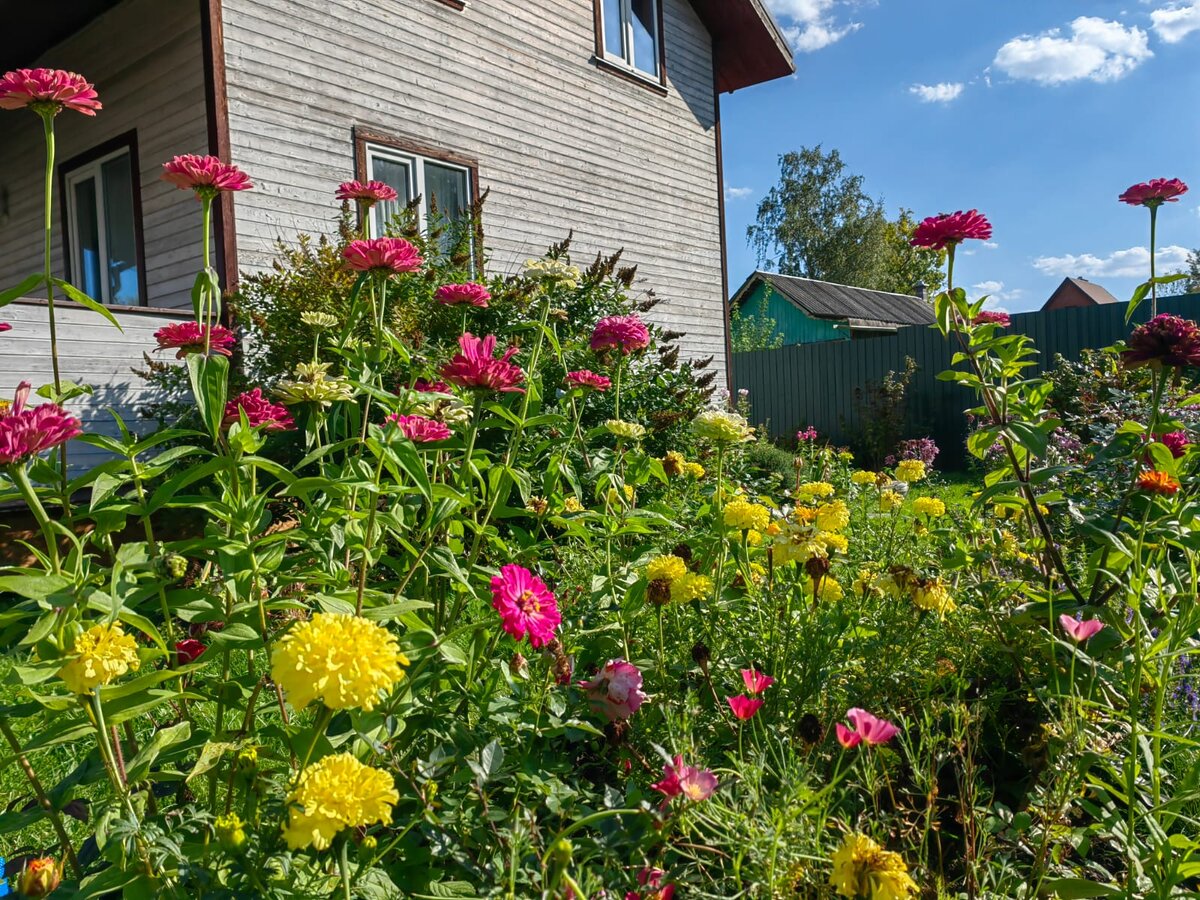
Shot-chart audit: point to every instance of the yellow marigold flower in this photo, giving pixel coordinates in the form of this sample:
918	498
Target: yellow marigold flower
889	500
845	456
863	477
334	793
929	506
758	574
572	505
693	470
343	661
815	490
665	568
910	470
832	516
614	498
830	590
798	544
833	541
933	596
690	586
673	463
5	406
861	868
804	514
773	529
230	831
722	427
101	655
744	516
629	430
864	581
754	538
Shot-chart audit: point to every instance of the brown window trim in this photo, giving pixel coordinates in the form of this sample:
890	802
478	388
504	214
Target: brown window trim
366	135
127	141
634	76
453	4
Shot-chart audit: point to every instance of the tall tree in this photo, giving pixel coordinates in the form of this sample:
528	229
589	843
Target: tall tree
819	222
1190	284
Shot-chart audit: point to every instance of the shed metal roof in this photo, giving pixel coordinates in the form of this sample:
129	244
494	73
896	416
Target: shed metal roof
826	300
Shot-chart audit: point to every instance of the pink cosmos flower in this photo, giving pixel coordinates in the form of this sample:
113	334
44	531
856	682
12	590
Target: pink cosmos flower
756	682
469	294
688	781
388	255
866	727
1176	441
260	412
421	386
744	707
937	232
419	429
525	604
52	88
188	337
189	650
4	326
991	317
26	432
475	366
588	379
1165	340
625	333
1079	631
206	175
616	691
1154	192
368	192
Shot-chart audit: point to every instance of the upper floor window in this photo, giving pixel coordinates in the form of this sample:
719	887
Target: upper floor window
442	185
630	34
102	228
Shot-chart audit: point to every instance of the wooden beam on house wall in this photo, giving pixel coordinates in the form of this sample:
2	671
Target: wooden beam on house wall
212	33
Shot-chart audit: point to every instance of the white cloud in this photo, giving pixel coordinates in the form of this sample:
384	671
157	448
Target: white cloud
810	25
990	245
996	295
1131	263
1096	49
942	92
738	193
1176	21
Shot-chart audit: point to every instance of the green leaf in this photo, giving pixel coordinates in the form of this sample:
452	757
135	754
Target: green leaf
34	587
139	767
7	297
1135	301
206	287
1073	888
83	299
210	388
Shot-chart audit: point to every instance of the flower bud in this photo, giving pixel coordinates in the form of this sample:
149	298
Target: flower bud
658	592
40	877
174	565
561	851
231	834
700	654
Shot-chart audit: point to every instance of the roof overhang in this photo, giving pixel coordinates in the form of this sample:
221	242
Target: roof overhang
748	46
30	29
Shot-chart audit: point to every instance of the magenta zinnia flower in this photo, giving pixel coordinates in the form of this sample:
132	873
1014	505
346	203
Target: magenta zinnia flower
4	326
625	333
525	604
990	317
419	429
688	781
744	707
756	682
1176	441
422	386
1165	340
188	337
475	366
1080	631
616	691
386	254
866	728
51	89
189	650
368	192
1154	192
937	232
260	412
206	175
26	432
470	294
590	380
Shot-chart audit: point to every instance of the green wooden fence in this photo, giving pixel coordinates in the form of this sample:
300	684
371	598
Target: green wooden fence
815	384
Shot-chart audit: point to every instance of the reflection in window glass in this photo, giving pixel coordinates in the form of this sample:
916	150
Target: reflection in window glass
102	229
395	174
645	35
614	27
630	34
121	231
87	238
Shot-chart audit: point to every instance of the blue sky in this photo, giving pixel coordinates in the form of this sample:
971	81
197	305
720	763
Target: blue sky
1036	112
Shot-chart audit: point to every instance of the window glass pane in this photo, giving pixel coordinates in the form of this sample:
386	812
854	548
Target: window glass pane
87	238
446	188
613	30
119	231
395	174
645	33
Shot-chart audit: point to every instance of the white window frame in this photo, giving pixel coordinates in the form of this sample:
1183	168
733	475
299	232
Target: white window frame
416	167
624	59
93	169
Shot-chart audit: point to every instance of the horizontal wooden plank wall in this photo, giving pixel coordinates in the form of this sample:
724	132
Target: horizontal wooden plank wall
91	352
818	384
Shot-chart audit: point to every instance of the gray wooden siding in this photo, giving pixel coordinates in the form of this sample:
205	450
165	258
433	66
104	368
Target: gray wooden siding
91	352
144	56
561	143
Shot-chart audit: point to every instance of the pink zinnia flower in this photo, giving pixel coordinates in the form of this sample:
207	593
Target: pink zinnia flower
756	682
590	380
470	294
51	89
688	781
260	412
475	366
24	433
936	232
206	175
866	727
188	337
1079	631
1176	441
1165	340
744	707
369	192
386	254
616	691
991	317
419	429
525	604
1154	192
4	326
625	333
189	650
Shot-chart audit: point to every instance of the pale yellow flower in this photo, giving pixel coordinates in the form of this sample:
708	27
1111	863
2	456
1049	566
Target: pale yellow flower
572	505
910	470
628	430
745	516
722	427
101	655
815	490
933	596
929	506
863	477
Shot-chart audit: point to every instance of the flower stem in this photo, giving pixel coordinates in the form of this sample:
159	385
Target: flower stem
21	478
1153	285
344	867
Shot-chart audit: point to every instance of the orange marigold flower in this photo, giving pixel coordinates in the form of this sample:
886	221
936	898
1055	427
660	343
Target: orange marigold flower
1156	482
